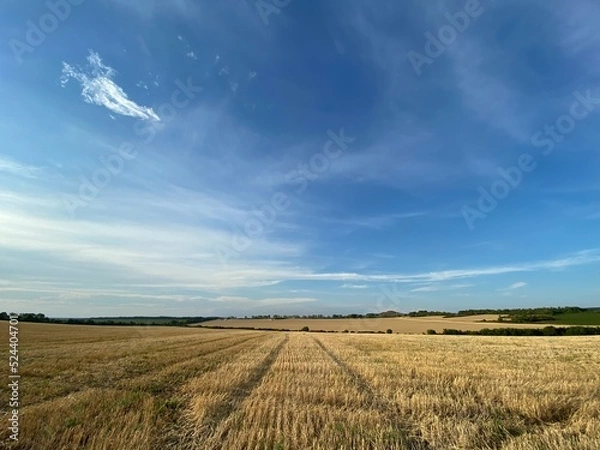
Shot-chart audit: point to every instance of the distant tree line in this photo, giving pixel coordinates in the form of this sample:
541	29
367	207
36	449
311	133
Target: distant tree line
519	315
303	329
527	315
27	317
522	315
546	331
162	320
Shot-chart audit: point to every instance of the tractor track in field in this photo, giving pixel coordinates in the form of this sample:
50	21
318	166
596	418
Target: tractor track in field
211	427
376	401
117	383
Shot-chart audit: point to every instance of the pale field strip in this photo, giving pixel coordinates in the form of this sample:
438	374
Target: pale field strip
485	392
405	325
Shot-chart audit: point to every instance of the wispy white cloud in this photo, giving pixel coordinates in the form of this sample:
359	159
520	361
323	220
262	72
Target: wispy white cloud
128	257
579	31
514	286
396	158
16	168
576	208
491	98
590	256
142	84
98	88
147	9
244	301
354	286
441	287
461	286
426	289
376	222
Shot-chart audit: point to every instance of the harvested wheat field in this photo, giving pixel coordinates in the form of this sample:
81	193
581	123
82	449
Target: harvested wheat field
405	325
140	388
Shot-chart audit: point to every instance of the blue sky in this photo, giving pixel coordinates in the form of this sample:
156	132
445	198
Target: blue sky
237	158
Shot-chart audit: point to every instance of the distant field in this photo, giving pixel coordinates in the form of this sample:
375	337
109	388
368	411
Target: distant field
146	388
408	325
578	318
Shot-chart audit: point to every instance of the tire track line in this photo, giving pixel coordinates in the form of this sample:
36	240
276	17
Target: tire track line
213	430
381	404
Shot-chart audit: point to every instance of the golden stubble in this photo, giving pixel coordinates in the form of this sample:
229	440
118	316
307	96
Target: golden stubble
188	388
